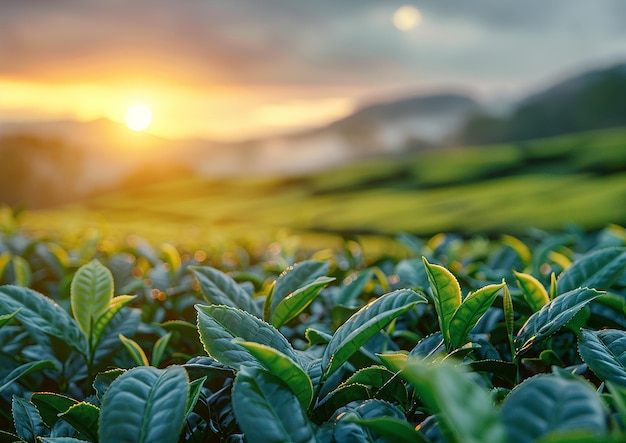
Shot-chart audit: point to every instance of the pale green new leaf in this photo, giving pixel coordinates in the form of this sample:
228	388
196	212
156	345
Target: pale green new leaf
145	405
84	418
598	269
40	312
284	368
552	317
26	369
509	315
21	269
605	354
446	295
294	303
218	325
159	348
115	306
465	412
91	292
469	313
292	279
534	293
268	411
220	289
195	389
364	324
134	350
547	403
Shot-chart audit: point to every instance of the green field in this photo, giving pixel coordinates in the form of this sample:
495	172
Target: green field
547	184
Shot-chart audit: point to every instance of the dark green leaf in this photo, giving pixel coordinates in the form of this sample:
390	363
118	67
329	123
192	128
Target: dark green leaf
26	369
218	325
366	323
547	403
552	317
51	405
159	349
195	389
605	354
350	292
144	405
267	411
42	313
220	289
598	270
28	423
84	418
464	411
391	429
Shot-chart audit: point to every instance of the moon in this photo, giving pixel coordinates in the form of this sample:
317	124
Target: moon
407	17
138	117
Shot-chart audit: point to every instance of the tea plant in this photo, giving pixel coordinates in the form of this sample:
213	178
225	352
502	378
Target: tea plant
457	341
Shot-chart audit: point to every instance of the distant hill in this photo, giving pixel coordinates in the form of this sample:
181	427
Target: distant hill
592	100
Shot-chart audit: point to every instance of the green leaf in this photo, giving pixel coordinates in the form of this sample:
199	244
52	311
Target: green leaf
4	319
552	317
26	369
145	405
84	418
60	440
195	389
218	325
446	295
220	289
40	312
294	303
348	430
350	292
21	269
547	403
391	429
534	293
50	405
90	294
115	305
284	368
364	324
465	412
159	349
509	315
135	351
469	313
605	354
104	379
598	269
267	411
28	423
292	279
341	396
381	383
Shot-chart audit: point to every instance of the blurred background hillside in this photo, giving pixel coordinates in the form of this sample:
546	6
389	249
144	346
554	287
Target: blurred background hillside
358	117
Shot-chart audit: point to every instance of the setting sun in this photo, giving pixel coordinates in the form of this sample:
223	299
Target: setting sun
138	117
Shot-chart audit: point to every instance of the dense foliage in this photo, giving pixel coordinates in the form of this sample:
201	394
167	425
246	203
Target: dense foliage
455	340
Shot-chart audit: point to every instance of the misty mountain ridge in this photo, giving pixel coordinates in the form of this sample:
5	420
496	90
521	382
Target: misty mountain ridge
105	154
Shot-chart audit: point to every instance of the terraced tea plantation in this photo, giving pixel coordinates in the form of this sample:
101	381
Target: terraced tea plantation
447	339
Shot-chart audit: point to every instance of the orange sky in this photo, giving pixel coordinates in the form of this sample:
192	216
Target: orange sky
245	68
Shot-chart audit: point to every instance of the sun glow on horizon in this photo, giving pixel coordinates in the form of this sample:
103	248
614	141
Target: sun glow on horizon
138	117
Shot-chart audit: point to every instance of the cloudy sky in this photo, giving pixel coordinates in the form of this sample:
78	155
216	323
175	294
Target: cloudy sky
230	69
